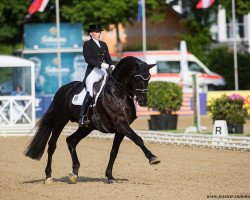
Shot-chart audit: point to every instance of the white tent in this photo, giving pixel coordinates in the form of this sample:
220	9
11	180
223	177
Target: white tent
12	61
18	112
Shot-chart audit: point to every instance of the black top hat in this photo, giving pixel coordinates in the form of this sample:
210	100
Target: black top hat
95	27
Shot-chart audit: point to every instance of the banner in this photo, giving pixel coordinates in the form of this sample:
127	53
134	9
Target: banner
38	36
46	70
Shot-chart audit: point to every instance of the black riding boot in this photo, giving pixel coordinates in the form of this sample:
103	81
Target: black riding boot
83	119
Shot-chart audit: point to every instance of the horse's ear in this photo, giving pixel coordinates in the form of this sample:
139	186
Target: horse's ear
151	65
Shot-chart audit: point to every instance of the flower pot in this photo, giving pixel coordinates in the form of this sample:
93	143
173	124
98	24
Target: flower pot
163	122
235	128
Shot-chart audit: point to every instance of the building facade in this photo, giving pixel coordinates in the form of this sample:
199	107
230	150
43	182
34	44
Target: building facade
160	35
165	35
223	30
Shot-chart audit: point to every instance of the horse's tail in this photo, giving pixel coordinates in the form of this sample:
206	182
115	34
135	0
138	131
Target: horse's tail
44	127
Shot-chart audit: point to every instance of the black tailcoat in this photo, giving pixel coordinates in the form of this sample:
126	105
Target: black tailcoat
95	55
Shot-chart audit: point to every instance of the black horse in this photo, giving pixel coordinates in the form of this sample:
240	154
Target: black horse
114	112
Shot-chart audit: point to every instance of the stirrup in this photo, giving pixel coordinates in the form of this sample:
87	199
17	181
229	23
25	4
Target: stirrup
83	121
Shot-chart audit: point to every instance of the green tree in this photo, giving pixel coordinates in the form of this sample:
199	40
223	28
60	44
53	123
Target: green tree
221	61
197	22
109	12
198	37
13	15
242	7
11	21
12	18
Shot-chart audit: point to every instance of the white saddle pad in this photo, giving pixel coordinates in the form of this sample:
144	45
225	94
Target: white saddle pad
78	98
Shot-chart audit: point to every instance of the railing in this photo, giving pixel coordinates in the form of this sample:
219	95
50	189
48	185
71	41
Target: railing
17	111
194	140
200	140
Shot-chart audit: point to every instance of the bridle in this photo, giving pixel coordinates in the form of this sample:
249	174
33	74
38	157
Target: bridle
135	91
146	78
123	89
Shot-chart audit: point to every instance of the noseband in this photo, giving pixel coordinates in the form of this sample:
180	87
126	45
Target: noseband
135	91
141	90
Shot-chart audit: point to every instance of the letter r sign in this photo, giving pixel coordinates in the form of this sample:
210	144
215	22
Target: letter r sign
218	130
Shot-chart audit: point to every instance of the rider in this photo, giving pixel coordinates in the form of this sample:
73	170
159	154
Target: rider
97	57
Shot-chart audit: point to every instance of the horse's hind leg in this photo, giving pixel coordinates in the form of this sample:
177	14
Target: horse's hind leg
72	142
57	129
115	148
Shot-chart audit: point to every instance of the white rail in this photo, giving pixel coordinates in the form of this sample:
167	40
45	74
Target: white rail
199	140
17	111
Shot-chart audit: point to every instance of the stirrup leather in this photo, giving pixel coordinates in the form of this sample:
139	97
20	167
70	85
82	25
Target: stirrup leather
83	121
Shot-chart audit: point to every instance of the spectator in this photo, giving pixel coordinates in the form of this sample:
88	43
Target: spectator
18	92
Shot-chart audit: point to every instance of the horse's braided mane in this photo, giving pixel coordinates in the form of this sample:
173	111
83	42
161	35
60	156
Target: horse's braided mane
128	58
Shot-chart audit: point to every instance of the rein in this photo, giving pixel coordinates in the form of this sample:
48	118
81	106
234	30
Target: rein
125	90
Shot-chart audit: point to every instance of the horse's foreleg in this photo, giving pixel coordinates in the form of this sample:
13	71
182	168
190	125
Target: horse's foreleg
72	142
115	148
139	141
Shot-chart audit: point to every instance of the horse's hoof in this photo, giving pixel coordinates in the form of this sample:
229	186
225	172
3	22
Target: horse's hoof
49	181
72	177
154	160
110	181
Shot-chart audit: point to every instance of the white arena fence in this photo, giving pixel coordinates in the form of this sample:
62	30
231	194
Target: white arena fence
17	111
194	140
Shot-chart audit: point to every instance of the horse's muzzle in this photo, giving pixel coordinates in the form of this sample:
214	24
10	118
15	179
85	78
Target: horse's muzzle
142	100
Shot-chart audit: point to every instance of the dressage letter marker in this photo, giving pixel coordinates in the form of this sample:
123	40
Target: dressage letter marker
220	128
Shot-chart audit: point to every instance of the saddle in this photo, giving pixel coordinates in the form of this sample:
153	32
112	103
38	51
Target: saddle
81	92
79	98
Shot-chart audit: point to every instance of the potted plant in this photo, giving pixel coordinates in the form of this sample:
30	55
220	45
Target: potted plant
166	98
230	108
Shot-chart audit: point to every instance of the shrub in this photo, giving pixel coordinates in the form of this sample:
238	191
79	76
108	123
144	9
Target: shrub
230	108
164	97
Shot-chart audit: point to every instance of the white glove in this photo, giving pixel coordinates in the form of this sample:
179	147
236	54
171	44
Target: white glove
105	65
112	67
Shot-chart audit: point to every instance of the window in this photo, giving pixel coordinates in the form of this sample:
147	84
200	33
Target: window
11	77
239	28
194	67
168	66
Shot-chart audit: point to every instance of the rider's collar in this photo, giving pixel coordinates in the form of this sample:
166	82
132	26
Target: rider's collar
97	42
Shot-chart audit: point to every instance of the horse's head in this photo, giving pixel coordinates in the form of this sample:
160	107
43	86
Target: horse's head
139	80
133	74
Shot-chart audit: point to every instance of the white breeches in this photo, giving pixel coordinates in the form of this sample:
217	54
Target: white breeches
95	75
